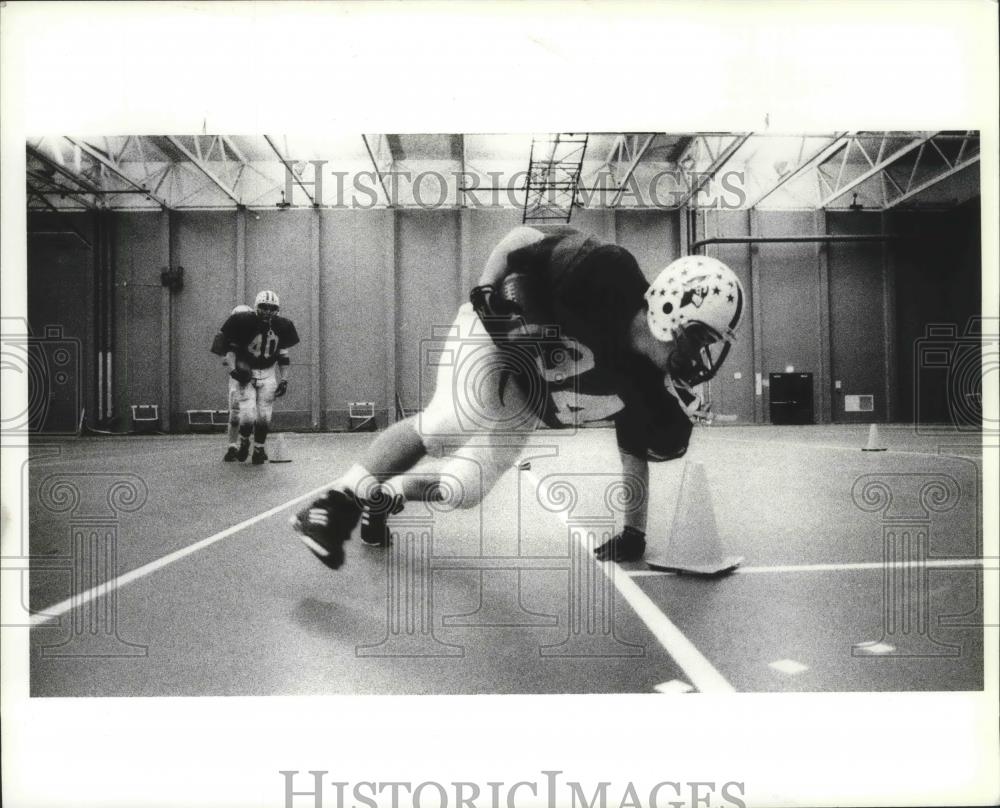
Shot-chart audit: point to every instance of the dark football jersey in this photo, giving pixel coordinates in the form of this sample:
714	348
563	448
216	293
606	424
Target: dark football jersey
255	342
595	291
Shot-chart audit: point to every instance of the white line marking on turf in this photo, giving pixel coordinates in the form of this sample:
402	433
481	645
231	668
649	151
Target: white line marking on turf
673	686
861	565
106	588
788	666
857	449
874	647
699	670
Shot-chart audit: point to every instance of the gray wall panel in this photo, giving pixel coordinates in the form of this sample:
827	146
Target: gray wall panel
205	245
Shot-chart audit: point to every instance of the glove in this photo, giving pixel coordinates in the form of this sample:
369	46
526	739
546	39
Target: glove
518	343
242	374
629	545
281	389
492	308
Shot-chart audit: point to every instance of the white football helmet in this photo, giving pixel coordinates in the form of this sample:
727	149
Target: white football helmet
243	307
697	303
266	303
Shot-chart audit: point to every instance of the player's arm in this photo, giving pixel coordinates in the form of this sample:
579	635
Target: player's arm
284	363
496	264
506	311
630	544
635	472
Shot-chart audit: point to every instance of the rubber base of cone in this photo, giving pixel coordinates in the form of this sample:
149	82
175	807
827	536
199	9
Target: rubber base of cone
716	570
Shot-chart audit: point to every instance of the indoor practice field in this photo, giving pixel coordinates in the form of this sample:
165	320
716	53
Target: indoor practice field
206	591
222	328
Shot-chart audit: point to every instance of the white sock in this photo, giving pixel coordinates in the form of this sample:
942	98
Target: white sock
359	481
354	480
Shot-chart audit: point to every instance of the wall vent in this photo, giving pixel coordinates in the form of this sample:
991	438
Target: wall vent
859	403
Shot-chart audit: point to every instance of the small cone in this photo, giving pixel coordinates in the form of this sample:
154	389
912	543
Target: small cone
278	449
873	441
694	546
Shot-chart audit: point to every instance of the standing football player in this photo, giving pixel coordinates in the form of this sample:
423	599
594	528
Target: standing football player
256	343
563	329
221	347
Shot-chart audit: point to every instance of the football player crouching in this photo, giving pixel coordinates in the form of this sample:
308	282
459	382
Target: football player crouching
624	349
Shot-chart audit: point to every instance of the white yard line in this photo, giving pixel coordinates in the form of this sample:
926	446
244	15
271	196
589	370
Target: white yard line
856	449
864	565
698	669
45	615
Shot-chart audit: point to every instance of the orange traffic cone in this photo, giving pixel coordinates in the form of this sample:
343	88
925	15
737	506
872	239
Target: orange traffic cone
279	450
873	442
694	546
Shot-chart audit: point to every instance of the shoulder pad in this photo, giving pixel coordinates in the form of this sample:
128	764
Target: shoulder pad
285	330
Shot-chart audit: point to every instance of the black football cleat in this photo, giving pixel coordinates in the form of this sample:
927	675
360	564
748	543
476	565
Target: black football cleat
231	454
326	524
244	450
259	455
375	514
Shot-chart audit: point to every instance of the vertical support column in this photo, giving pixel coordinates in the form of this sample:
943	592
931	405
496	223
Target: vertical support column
241	255
891	374
464	257
825	380
391	265
107	234
756	315
98	315
166	331
683	232
315	352
122	291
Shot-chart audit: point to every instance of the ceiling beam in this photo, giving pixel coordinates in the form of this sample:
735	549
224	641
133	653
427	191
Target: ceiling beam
818	157
234	149
636	158
288	167
718	163
932	182
375	165
204	169
108	164
880	166
56	188
72	176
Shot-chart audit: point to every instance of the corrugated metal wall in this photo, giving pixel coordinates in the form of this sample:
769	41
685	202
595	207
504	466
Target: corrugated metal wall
365	287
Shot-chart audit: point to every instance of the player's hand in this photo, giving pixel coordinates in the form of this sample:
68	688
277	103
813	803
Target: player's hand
242	374
281	389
